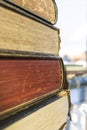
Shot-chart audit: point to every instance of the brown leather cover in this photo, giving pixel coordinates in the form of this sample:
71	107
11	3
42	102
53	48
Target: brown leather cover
25	80
44	8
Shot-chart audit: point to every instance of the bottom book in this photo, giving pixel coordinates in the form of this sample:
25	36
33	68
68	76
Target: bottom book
51	116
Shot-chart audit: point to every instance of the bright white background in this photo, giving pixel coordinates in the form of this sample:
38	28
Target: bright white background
72	21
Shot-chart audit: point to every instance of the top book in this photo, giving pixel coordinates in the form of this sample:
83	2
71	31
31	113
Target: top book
45	9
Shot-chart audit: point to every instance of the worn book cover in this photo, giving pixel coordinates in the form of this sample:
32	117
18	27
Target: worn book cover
50	114
23	81
45	9
25	34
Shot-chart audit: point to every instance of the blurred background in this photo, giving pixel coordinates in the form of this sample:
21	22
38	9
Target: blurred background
72	21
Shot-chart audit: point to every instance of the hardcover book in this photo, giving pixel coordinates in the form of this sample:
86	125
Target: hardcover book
45	9
23	81
50	114
25	34
33	86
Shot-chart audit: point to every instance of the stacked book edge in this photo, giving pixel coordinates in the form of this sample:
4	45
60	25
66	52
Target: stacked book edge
31	71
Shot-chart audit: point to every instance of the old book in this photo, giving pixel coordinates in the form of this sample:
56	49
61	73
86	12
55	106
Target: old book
45	9
50	114
25	34
24	81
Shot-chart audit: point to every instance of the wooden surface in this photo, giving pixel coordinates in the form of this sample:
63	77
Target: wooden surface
44	8
23	80
49	117
20	33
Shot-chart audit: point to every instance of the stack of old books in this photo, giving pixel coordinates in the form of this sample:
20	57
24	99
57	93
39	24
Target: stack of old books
33	87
